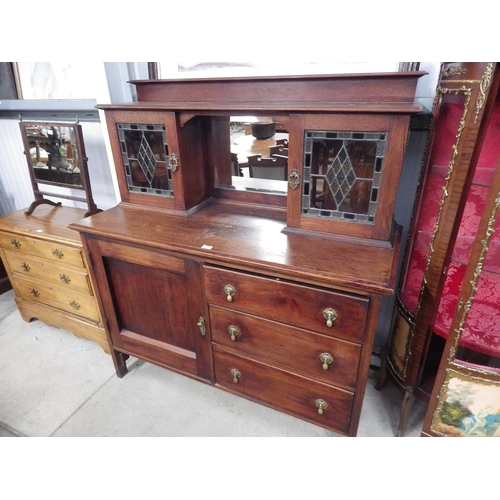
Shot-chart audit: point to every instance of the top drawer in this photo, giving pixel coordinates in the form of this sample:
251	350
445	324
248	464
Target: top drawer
41	248
330	313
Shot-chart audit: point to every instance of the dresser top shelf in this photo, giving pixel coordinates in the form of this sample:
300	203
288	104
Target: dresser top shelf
252	242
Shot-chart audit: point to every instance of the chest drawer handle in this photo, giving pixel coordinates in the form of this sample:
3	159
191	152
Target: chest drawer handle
75	305
234	332
326	359
235	374
65	279
15	243
322	406
330	315
230	292
34	292
57	253
25	267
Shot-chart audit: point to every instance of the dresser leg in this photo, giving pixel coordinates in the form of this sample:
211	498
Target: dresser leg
120	362
408	401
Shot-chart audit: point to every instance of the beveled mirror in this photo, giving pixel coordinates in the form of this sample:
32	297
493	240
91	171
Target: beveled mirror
56	158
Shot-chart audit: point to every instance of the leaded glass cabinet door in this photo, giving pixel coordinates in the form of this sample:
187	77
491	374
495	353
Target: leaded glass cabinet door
159	161
344	173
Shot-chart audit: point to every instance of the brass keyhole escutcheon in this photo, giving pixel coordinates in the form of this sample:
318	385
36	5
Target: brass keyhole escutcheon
330	315
25	267
202	326
322	406
57	253
230	292
234	332
65	279
173	162
326	359
236	375
294	179
15	243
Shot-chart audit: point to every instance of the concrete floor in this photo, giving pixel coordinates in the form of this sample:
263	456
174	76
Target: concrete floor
55	384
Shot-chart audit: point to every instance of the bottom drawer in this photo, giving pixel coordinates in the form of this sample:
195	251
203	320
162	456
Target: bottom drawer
288	392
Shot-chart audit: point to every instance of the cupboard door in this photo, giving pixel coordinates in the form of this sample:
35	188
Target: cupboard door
346	171
152	305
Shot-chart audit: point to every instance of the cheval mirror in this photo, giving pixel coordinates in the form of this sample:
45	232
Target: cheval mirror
56	158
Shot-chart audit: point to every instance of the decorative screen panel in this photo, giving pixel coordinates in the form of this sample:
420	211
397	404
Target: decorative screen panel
342	173
145	158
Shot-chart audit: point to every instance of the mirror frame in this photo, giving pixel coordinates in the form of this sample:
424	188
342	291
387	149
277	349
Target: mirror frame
81	163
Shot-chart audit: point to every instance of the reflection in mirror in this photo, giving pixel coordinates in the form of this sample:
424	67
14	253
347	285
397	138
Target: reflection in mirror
259	155
53	154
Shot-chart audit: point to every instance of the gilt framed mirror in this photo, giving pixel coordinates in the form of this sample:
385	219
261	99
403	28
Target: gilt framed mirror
56	159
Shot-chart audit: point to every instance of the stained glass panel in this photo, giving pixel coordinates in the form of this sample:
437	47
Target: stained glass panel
341	174
145	155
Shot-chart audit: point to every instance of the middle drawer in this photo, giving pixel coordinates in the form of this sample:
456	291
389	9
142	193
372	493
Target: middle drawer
53	274
328	359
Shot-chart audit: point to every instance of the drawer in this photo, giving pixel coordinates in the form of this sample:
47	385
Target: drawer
68	279
292	348
284	391
79	305
40	248
297	305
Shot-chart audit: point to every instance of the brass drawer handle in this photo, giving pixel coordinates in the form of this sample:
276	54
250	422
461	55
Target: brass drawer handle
236	375
230	292
25	267
234	332
322	406
34	292
15	243
75	305
65	279
326	359
330	315
57	253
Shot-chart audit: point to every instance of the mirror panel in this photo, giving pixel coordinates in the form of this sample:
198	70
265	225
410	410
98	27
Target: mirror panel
259	156
53	154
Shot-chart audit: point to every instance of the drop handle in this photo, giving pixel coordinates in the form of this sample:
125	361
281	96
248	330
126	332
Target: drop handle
234	332
330	315
322	405
25	267
326	359
236	375
229	292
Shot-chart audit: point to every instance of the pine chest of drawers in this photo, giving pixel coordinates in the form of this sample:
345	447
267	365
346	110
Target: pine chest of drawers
49	272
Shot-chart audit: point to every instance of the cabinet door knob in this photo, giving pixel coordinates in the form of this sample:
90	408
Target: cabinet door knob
330	315
230	292
25	267
326	359
322	406
233	331
236	375
15	243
